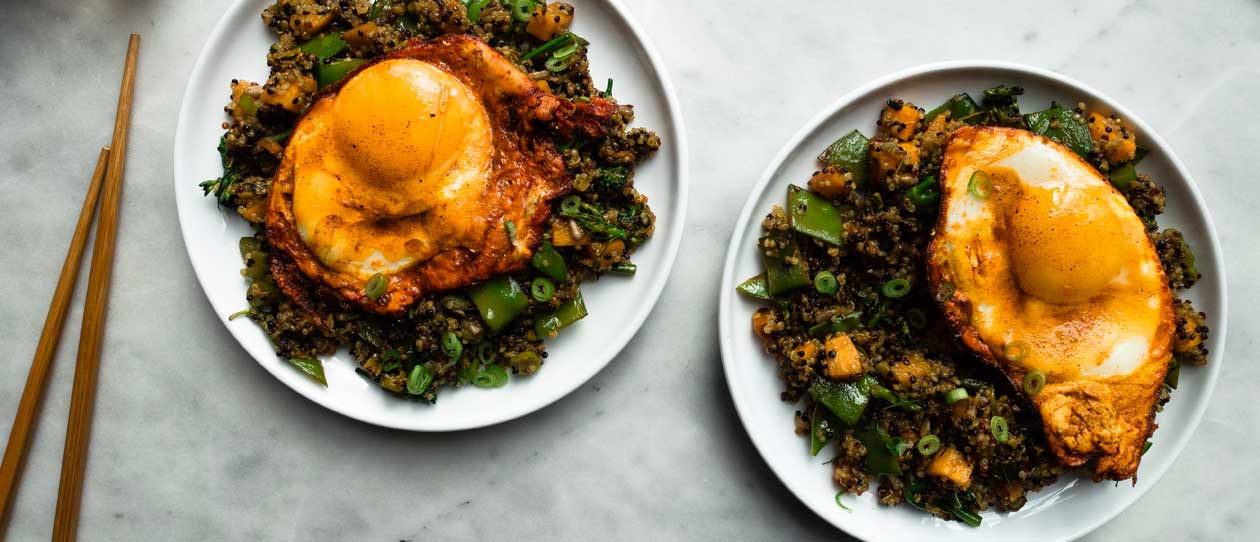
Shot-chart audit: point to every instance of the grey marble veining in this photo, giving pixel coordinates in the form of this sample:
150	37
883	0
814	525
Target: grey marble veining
194	441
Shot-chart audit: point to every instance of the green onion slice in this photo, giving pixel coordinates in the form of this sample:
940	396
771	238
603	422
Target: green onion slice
486	351
522	10
419	379
493	376
1034	381
451	345
375	287
946	292
1000	429
980	185
928	445
955	395
571	205
896	288
825	283
542	290
1016	350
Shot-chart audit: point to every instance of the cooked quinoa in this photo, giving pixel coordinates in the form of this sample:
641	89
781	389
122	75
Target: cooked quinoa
906	351
389	350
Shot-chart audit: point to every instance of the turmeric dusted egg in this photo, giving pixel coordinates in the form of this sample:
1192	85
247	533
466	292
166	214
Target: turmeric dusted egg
1043	269
426	170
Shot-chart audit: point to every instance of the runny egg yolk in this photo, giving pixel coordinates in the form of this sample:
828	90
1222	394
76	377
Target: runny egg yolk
382	170
1065	245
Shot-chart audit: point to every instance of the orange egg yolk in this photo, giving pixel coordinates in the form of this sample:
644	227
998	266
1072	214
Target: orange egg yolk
1065	245
386	171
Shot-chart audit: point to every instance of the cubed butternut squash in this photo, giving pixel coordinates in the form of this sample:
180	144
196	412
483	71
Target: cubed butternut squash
761	322
912	153
900	119
1112	138
361	35
949	464
288	94
307	24
831	182
842	358
911	369
549	20
566	233
806	351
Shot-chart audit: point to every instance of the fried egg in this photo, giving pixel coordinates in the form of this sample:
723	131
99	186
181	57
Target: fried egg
433	167
1042	265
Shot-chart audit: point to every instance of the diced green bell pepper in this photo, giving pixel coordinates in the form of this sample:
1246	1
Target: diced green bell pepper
924	195
499	300
842	324
812	215
782	276
844	399
548	325
1124	176
879	461
324	46
960	107
873	388
1063	125
849	153
331	72
755	287
549	262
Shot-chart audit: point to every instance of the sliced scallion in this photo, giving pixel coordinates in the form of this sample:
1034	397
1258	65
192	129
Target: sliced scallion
1034	381
928	445
895	288
451	345
825	283
955	395
1016	350
1000	429
571	205
375	287
980	185
542	290
419	379
486	351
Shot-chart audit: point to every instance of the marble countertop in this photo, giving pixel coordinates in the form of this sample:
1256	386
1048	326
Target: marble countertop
193	440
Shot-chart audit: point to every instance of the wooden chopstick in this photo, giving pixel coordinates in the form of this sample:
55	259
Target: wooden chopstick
32	394
79	426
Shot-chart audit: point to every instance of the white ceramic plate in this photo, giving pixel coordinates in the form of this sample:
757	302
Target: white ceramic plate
1063	511
618	306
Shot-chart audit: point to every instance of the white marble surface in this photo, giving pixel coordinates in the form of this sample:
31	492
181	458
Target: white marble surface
193	440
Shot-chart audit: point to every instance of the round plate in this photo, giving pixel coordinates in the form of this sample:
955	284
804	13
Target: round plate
618	306
1071	507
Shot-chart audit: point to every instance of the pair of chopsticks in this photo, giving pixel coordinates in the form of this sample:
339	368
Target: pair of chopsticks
106	181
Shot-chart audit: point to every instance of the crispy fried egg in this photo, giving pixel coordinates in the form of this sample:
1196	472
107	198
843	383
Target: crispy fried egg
432	167
1042	265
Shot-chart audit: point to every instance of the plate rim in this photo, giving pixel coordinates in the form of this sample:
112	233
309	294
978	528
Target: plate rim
743	222
681	183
